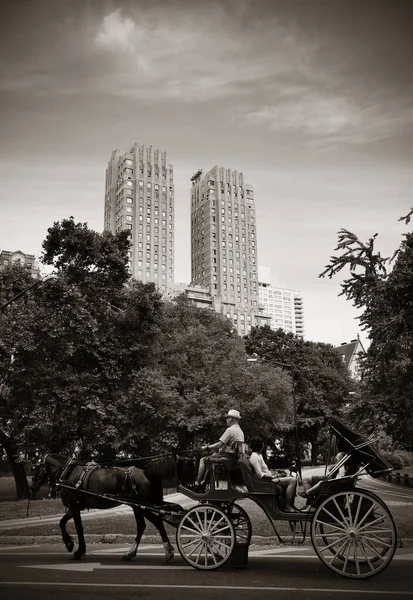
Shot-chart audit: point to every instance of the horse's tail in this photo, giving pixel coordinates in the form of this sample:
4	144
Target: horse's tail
155	479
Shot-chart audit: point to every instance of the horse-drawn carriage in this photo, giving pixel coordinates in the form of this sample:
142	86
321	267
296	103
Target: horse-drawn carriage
351	529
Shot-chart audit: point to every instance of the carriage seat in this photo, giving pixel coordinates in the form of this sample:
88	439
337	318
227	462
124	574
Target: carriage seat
255	483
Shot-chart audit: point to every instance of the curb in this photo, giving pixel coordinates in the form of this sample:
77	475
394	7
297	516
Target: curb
113	538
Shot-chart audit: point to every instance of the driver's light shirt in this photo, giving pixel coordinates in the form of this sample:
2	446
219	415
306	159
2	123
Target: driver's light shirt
230	438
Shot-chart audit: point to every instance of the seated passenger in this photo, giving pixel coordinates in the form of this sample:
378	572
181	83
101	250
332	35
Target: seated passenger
227	446
261	470
312	484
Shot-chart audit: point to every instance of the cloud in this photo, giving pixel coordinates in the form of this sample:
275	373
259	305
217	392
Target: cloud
117	32
193	57
312	113
329	114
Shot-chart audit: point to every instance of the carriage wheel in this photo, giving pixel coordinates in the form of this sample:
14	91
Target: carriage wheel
242	524
353	534
205	537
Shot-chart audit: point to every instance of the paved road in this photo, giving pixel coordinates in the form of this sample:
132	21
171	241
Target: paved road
291	573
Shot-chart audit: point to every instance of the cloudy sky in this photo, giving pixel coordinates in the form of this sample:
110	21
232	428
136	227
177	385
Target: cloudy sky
311	99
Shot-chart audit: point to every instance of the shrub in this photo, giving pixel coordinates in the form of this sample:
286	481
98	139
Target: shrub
398	458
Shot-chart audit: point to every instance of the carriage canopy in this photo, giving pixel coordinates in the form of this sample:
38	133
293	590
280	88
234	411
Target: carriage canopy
361	448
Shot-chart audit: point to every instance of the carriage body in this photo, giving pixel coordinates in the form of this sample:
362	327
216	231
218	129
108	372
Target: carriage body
352	530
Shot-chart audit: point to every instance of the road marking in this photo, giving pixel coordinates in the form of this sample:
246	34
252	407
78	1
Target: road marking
92	566
210	587
126	549
276	551
6	548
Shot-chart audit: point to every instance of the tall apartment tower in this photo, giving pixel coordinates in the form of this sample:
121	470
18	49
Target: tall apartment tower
140	196
224	243
284	306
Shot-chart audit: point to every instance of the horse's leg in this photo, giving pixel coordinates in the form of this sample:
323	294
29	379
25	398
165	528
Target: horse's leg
157	521
81	551
67	539
140	528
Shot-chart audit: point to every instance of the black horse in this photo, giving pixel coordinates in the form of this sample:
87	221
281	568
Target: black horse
142	486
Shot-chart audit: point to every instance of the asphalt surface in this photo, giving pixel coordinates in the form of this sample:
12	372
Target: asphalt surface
288	573
44	571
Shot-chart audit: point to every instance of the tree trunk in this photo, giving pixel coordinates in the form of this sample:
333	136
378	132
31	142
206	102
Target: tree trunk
19	474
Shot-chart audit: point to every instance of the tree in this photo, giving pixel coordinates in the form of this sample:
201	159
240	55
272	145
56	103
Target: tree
85	256
321	381
382	289
200	371
76	343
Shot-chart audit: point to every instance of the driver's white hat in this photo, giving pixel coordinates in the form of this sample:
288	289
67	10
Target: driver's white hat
234	413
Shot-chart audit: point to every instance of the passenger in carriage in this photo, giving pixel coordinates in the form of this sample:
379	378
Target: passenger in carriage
261	470
313	484
228	446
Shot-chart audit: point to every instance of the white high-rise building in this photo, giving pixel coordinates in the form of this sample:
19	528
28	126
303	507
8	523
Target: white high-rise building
284	306
140	196
224	244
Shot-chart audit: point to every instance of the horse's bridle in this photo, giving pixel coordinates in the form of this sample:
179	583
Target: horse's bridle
42	475
39	477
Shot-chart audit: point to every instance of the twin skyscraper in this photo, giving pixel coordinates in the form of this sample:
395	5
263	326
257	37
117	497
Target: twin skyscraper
224	262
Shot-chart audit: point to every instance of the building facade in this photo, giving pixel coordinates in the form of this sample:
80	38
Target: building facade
139	196
351	353
224	244
8	258
284	306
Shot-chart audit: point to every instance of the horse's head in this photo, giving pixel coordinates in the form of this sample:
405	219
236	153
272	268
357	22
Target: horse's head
40	475
48	469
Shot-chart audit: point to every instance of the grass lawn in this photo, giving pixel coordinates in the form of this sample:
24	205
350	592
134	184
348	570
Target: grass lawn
124	524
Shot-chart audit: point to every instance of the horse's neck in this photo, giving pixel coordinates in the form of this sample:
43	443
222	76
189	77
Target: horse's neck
55	462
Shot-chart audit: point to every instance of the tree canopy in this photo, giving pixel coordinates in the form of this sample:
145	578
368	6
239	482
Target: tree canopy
321	382
382	289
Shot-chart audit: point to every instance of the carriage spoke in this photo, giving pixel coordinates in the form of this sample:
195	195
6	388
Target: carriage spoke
200	552
213	556
371	523
221	544
337	541
333	517
346	559
191	543
366	515
330	525
376	539
328	535
371	547
200	522
191	529
339	551
196	548
340	511
368	558
211	528
224	528
195	525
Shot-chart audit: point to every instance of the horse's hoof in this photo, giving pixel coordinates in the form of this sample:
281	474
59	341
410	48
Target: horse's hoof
77	556
69	546
127	557
169	556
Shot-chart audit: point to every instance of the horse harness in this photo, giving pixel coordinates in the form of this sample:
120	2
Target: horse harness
128	487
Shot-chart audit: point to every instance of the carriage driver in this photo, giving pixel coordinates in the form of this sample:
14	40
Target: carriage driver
228	445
